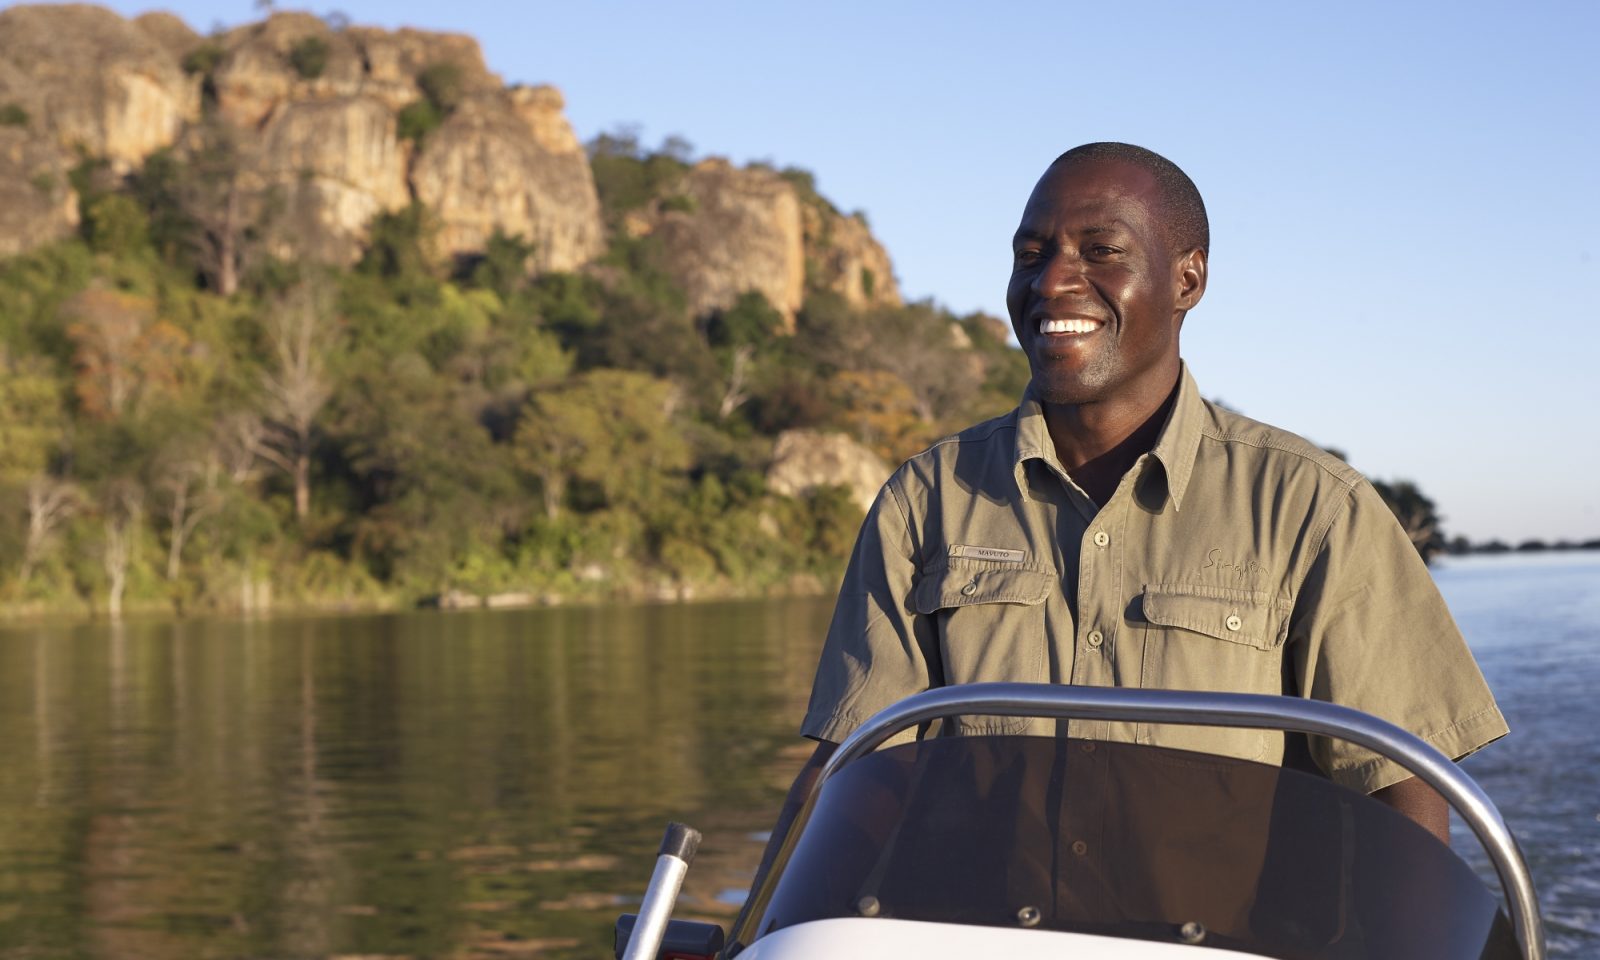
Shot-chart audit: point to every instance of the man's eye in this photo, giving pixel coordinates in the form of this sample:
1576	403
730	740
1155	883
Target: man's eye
1102	250
1027	256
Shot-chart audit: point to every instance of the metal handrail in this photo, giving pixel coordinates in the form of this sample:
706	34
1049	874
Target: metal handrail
1248	710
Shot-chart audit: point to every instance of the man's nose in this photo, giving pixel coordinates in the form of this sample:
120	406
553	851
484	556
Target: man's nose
1062	272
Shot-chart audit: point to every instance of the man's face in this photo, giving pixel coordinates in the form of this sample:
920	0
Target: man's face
1096	294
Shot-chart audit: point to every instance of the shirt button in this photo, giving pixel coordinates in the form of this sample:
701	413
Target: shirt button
969	589
1095	638
1101	538
1234	622
1088	746
1079	847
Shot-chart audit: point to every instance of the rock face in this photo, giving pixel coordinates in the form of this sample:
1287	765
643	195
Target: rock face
37	204
171	33
337	164
88	78
842	256
258	71
313	113
724	231
803	460
727	231
509	162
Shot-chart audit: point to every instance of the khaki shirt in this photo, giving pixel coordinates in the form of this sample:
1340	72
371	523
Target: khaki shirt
1233	556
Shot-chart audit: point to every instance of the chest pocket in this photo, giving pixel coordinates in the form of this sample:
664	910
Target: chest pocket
990	618
1213	638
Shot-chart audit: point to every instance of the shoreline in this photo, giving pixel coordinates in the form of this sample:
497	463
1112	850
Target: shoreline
77	613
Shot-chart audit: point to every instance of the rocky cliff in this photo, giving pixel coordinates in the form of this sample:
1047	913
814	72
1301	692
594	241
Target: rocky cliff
328	127
727	230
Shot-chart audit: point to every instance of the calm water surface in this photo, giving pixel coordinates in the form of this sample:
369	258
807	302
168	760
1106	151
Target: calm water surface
494	784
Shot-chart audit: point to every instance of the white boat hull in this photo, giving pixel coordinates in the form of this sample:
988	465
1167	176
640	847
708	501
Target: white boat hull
851	937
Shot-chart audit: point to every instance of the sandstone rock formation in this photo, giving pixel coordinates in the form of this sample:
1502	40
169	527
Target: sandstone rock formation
803	460
509	162
171	33
311	112
86	78
257	71
337	163
844	257
37	204
727	231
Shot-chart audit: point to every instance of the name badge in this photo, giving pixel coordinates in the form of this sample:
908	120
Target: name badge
998	554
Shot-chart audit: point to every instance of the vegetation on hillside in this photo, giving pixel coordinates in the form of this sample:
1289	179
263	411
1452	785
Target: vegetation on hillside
188	423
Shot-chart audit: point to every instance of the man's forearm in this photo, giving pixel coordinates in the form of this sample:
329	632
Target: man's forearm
1421	803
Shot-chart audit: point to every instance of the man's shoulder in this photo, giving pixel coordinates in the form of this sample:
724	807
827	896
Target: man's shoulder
992	442
1278	449
999	433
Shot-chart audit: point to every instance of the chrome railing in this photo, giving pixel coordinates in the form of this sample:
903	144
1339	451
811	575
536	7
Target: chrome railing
1226	710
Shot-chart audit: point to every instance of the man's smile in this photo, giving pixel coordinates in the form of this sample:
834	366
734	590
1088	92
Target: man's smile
1069	326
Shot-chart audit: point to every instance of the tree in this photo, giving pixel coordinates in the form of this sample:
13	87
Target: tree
299	331
210	190
121	351
735	334
1416	513
51	502
122	510
611	429
185	473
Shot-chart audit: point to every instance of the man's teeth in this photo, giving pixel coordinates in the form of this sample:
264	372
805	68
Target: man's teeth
1068	326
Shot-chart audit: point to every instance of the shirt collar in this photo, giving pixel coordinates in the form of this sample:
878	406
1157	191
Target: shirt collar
1176	446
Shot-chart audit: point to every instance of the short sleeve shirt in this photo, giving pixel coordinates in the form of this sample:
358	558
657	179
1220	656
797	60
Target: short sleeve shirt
1233	556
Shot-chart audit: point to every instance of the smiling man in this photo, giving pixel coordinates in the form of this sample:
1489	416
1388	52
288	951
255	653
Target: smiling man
1118	530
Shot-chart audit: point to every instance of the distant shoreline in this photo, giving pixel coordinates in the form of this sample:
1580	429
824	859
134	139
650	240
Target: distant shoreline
1461	548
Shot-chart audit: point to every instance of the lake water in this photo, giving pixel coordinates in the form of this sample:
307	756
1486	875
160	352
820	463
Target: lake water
494	784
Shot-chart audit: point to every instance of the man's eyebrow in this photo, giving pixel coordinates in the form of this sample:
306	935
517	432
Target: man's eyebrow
1095	230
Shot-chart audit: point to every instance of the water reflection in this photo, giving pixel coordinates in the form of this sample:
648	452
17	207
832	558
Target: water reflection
482	784
494	784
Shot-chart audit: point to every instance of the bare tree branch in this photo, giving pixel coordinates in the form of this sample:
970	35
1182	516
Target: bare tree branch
51	501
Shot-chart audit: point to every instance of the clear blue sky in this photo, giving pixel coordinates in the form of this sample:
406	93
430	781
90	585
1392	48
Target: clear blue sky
1404	197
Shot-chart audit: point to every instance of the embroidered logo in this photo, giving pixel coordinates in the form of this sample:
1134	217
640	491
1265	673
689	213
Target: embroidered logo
1240	571
998	554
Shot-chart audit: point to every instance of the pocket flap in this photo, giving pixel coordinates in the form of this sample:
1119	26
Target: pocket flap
963	584
1237	616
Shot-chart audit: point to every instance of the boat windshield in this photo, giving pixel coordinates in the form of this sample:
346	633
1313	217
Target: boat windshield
1130	841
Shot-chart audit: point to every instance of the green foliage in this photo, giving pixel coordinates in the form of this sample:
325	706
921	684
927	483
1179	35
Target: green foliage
1417	513
443	86
750	321
398	244
203	60
416	120
13	115
486	429
628	177
678	203
503	267
309	57
116	224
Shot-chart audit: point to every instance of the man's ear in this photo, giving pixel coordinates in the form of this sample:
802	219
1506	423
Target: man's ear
1191	279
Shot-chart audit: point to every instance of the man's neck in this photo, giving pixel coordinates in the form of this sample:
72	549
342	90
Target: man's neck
1097	443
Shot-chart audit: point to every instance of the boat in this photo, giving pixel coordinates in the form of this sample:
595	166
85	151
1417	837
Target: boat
1032	846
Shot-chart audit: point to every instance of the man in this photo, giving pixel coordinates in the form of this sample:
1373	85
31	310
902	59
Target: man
1118	530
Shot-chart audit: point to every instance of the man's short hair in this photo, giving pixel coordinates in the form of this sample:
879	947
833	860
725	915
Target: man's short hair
1185	213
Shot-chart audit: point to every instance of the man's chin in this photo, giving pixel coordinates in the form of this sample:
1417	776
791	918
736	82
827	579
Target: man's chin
1060	391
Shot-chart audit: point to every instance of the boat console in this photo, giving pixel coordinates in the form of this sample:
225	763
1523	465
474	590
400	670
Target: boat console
1052	846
